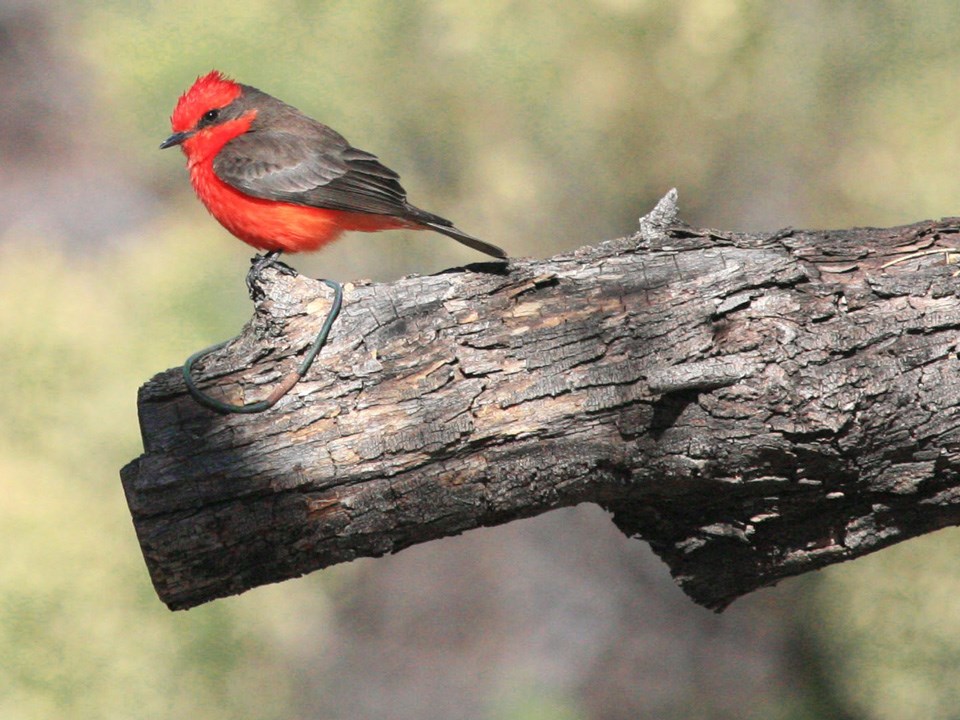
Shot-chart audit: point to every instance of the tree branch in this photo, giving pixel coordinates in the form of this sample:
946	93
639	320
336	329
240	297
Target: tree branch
754	406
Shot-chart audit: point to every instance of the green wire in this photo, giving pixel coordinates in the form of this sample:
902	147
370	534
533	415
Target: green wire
286	384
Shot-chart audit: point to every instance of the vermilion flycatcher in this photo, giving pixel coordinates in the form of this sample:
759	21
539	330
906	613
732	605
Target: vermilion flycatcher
284	182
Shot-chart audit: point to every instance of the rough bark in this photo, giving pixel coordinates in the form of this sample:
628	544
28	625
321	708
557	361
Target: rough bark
754	406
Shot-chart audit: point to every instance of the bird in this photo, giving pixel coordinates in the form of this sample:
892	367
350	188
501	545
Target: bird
283	182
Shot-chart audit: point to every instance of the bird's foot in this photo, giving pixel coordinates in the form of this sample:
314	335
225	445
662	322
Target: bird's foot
259	263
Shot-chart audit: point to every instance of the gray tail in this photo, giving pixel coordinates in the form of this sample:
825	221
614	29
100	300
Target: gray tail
445	227
468	240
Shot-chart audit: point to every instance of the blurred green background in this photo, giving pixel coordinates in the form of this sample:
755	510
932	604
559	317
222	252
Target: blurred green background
538	126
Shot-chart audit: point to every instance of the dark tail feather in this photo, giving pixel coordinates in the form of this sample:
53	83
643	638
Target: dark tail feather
468	240
445	227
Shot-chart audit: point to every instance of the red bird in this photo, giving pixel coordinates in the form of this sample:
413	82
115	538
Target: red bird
283	182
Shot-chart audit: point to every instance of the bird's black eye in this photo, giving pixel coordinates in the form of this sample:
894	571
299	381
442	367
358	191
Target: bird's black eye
210	116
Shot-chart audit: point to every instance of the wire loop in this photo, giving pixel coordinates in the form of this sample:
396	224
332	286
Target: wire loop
285	385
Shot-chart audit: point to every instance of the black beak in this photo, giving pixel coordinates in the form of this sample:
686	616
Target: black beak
175	139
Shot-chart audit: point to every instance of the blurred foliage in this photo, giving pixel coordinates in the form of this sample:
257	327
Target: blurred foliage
533	703
82	634
538	126
888	628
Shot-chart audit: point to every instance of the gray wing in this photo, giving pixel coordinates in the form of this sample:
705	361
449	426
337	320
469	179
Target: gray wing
319	170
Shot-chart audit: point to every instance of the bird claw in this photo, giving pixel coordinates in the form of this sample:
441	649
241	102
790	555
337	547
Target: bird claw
259	263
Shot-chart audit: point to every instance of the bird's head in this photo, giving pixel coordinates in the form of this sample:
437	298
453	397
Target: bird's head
208	115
